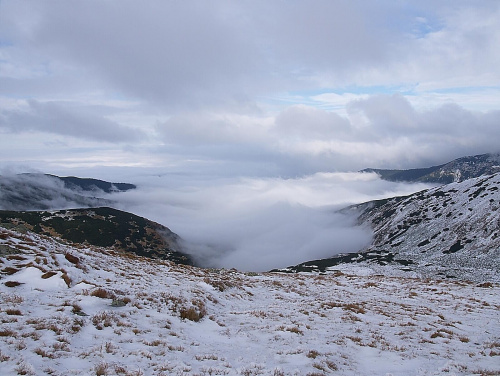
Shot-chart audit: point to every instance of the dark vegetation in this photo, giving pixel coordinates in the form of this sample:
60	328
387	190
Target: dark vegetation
103	227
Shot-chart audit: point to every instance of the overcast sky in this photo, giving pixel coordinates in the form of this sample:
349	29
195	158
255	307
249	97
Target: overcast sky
247	88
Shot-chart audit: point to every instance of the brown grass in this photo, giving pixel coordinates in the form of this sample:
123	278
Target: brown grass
66	278
48	275
7	333
192	314
43	353
12	283
73	259
16	257
294	329
313	354
485	285
101	369
102	293
10	270
13	312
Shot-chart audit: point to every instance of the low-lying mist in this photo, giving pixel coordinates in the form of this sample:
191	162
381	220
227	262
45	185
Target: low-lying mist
252	224
36	191
257	224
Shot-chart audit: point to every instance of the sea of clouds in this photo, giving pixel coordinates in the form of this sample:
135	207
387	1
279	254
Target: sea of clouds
261	223
248	223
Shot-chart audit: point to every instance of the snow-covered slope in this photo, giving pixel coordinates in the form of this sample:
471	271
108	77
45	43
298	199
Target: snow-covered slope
451	231
93	311
455	171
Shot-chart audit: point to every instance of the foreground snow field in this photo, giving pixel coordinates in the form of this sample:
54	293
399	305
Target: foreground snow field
90	311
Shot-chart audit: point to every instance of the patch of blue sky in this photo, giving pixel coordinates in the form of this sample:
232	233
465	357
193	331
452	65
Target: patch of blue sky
465	89
417	20
423	26
317	97
5	43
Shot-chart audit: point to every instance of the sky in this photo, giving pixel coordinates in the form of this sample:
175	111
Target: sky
234	117
247	88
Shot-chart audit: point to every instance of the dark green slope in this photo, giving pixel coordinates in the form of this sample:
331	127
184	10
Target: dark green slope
104	227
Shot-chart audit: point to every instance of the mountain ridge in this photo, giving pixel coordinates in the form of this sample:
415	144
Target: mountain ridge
450	231
457	170
32	191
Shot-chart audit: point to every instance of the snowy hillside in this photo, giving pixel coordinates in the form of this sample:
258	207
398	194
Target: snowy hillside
92	311
455	171
451	231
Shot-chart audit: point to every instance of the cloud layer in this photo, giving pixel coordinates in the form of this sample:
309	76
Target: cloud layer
260	224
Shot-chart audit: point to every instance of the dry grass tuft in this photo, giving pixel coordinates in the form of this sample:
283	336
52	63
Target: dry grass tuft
66	278
12	284
43	353
13	312
7	333
193	313
16	257
312	354
73	259
485	285
10	270
48	275
102	293
101	369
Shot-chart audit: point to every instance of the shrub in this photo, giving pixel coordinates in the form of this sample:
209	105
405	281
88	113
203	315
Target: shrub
353	307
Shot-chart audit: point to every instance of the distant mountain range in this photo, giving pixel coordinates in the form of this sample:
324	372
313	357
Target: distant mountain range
92	185
44	192
449	231
455	171
103	227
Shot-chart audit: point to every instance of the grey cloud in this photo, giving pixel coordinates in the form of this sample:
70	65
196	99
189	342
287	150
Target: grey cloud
189	54
68	120
311	123
207	67
414	138
380	131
